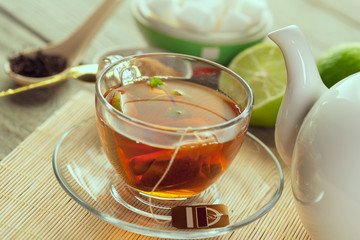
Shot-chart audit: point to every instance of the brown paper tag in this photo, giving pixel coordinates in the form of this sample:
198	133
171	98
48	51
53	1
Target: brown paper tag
200	216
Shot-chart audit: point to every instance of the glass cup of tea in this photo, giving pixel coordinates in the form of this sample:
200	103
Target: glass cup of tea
170	124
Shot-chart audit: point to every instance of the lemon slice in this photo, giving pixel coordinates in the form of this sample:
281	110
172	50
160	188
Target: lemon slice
262	66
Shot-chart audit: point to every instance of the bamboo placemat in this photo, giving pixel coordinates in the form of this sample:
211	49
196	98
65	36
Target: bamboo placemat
34	206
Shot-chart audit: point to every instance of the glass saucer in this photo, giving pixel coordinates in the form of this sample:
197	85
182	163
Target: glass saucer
249	188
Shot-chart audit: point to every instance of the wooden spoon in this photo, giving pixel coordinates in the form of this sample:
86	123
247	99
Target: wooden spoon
72	47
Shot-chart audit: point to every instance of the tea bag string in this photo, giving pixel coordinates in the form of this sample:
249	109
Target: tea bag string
165	173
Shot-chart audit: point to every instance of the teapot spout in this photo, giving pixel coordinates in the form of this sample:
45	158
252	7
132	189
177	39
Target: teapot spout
304	87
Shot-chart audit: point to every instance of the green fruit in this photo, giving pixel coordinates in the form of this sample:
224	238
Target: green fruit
262	66
116	101
339	62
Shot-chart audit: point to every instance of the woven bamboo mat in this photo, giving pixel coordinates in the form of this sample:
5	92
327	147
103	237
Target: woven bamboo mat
34	206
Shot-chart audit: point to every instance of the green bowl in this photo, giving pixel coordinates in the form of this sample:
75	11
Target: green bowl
220	47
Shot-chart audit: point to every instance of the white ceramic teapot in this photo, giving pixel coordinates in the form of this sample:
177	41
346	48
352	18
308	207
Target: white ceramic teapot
318	135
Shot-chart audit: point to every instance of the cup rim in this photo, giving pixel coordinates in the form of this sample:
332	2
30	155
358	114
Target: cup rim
244	113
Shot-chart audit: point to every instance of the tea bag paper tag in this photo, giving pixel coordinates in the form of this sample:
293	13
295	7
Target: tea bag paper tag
200	216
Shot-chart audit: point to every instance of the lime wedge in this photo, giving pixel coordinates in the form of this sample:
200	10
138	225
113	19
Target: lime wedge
116	101
262	66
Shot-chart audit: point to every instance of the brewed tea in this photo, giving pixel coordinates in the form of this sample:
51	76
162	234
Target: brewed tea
170	104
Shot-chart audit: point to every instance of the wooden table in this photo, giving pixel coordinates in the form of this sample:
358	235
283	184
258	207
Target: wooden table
34	23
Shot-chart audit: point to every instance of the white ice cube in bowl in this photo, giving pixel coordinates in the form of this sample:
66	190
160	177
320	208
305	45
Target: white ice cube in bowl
235	20
196	17
161	9
254	9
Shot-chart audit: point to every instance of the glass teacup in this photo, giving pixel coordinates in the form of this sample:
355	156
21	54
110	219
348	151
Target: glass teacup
170	124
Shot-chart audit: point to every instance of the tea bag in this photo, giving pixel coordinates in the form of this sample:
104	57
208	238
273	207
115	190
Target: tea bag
185	169
194	163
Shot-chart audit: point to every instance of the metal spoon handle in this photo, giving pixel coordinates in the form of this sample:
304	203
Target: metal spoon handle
85	73
8	92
